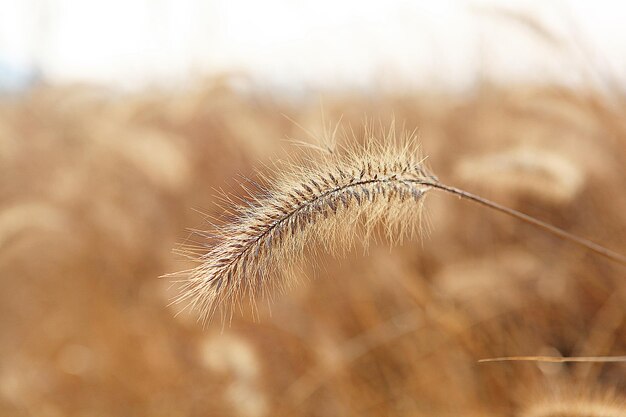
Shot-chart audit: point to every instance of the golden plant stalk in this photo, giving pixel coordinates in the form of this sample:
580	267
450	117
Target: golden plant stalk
555	359
324	202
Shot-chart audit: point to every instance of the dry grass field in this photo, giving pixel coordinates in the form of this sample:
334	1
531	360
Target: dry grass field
97	188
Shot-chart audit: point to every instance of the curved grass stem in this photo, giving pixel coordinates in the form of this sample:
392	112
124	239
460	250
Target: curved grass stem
562	234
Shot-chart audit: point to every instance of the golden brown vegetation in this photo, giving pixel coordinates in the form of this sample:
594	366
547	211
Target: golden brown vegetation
321	202
96	189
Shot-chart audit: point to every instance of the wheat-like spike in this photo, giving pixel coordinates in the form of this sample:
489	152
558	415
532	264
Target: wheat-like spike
573	400
323	202
577	407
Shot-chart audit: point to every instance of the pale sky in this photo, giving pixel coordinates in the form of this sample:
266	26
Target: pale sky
309	44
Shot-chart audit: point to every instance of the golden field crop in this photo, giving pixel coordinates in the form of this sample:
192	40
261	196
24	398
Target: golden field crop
96	189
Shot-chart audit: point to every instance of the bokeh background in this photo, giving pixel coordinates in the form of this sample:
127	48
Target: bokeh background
120	122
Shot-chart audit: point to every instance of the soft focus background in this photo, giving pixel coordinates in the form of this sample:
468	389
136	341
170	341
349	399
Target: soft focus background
302	46
120	120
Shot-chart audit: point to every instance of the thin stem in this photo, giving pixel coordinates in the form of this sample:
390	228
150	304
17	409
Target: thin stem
585	243
556	359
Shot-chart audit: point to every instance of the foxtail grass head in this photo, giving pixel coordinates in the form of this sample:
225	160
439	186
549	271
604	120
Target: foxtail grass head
325	200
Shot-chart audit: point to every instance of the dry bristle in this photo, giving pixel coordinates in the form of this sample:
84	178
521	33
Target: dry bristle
575	401
325	200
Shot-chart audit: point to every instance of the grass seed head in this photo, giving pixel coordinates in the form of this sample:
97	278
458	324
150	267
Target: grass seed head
325	201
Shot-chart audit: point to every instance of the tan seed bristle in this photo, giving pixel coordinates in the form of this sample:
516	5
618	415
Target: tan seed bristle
318	202
325	202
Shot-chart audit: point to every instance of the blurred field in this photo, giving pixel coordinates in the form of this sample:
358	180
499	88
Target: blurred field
97	188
